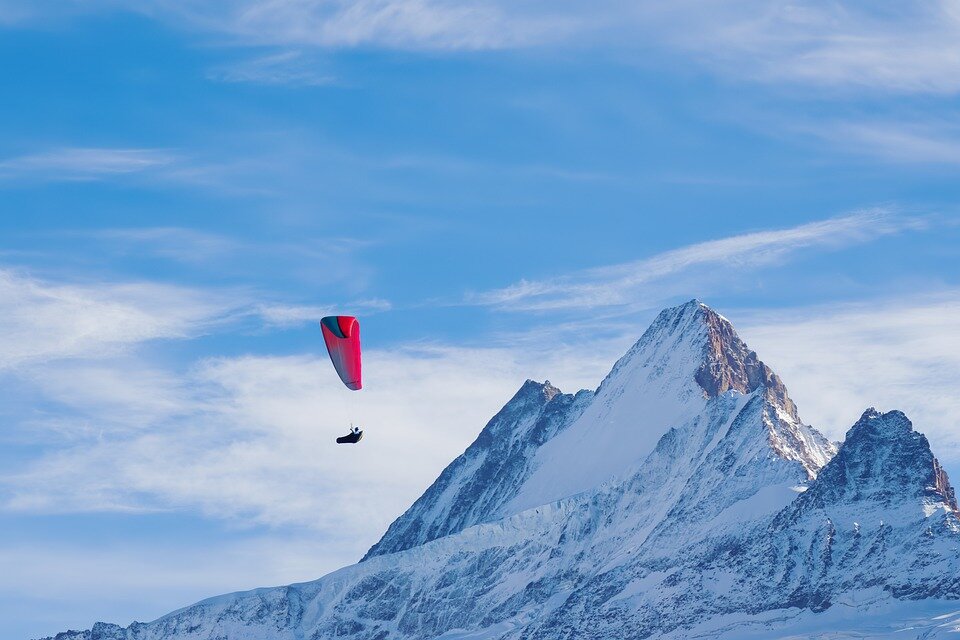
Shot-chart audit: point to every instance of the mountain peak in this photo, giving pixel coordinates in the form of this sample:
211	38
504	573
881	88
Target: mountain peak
726	363
687	361
549	391
884	460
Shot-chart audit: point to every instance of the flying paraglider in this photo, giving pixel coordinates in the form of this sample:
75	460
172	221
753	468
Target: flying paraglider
341	334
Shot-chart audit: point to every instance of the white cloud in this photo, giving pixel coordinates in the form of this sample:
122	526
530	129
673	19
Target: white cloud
78	163
893	354
161	569
41	321
623	284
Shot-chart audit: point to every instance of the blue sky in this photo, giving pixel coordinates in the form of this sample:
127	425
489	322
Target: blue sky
500	191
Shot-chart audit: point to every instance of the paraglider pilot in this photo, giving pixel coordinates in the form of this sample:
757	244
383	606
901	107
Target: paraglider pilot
353	437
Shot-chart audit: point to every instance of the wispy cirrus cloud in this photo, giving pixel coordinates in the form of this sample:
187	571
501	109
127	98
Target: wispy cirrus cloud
204	251
401	24
284	68
623	284
907	48
85	163
904	141
240	175
176	243
913	48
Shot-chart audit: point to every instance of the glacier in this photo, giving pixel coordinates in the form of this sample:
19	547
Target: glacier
684	498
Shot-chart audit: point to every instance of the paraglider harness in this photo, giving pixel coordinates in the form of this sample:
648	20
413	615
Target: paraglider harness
353	437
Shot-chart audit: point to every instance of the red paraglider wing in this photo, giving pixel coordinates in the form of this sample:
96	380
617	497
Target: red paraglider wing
342	336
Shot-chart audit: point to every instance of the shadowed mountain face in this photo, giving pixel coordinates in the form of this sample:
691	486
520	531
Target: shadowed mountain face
478	483
683	497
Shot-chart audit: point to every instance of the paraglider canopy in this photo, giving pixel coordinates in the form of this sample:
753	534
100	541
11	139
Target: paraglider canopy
342	337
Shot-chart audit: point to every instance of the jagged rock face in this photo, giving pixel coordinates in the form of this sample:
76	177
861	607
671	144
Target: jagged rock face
730	364
480	481
737	517
883	461
941	486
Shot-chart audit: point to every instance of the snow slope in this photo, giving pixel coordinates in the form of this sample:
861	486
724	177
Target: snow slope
716	514
474	487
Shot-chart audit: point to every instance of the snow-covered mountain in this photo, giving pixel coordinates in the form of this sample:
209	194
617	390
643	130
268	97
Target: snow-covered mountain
684	498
